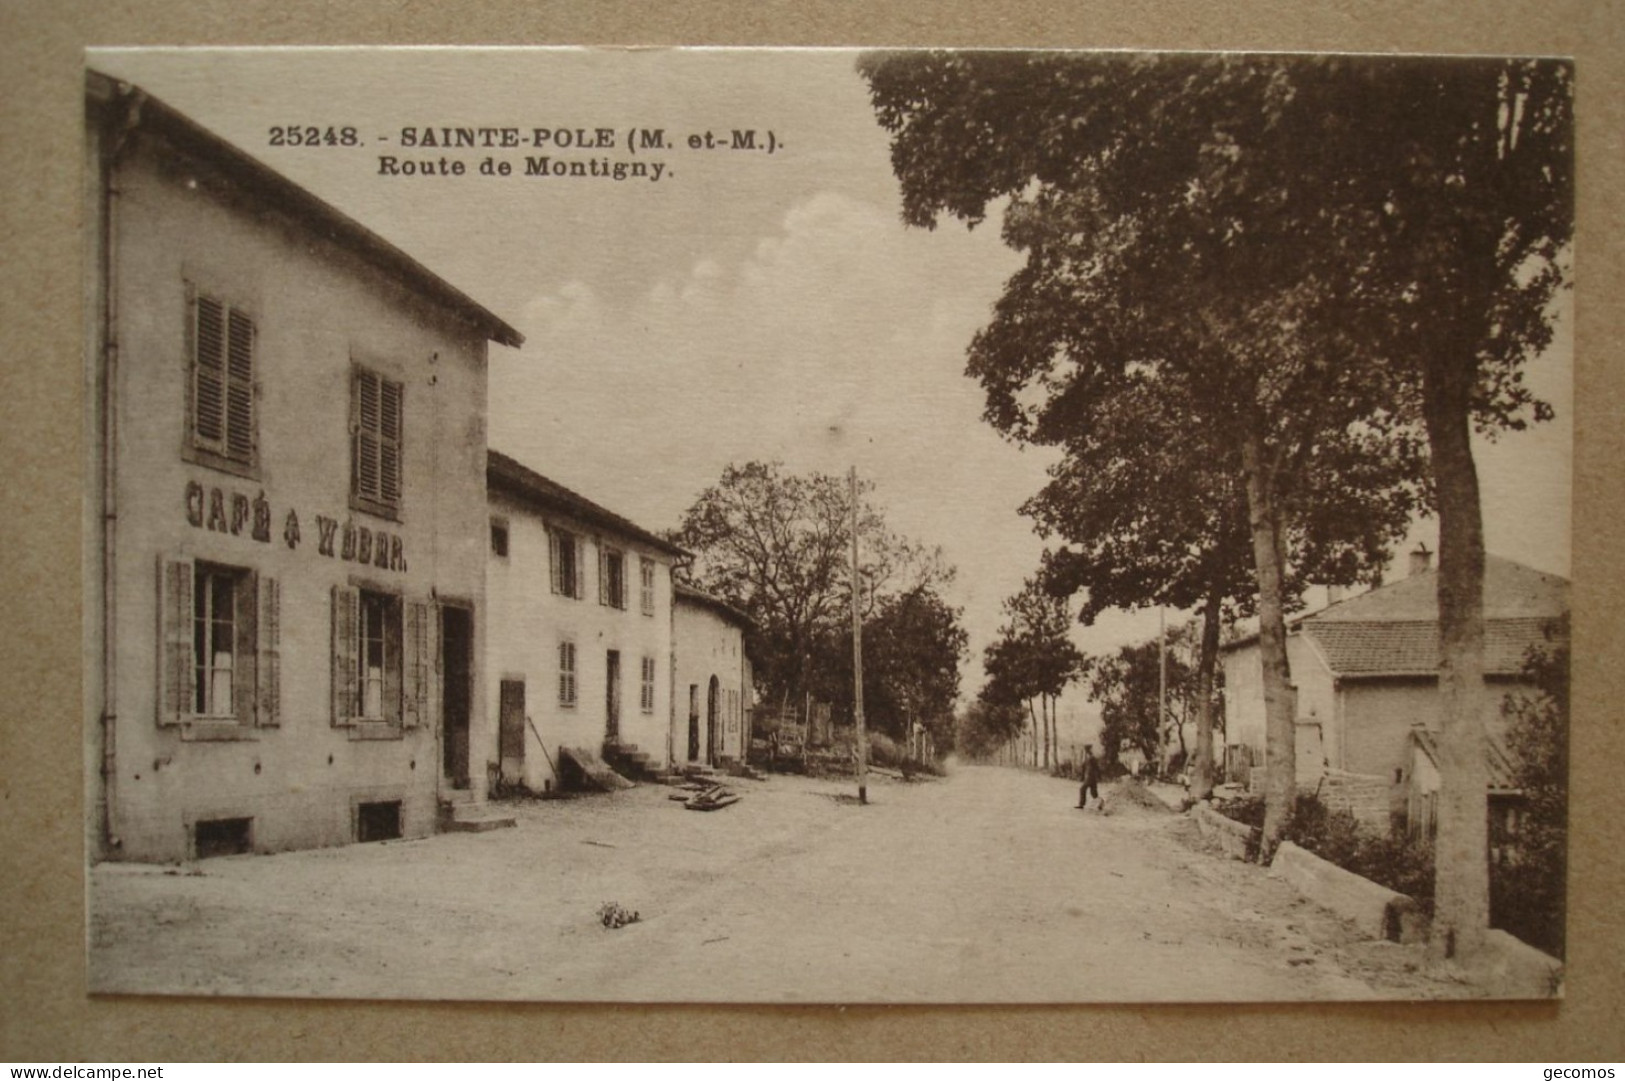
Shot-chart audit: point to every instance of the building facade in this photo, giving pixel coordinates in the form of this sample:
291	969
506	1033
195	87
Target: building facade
286	505
579	653
715	692
1365	672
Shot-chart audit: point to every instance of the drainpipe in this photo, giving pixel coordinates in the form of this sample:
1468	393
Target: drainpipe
110	150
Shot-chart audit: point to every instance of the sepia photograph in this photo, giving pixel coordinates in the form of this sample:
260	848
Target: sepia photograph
759	525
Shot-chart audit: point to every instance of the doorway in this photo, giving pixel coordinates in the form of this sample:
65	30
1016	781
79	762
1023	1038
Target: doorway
511	731
713	723
456	691
693	722
612	697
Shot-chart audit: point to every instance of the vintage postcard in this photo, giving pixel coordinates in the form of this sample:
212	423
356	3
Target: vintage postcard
763	525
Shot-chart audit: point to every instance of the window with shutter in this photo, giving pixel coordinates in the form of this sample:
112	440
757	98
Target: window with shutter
646	584
221	406
647	699
218	654
376	437
567	673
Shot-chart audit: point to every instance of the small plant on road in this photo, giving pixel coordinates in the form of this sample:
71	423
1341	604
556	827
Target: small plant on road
613	915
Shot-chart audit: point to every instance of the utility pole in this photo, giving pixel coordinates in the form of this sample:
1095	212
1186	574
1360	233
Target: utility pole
1162	679
857	652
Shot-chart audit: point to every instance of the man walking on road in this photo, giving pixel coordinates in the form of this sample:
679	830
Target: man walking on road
1091	779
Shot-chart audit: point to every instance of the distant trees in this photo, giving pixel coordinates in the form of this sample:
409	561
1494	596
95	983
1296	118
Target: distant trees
1033	660
1338	263
778	546
1128	686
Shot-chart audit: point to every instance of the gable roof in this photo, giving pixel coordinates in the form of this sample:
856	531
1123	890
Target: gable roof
143	111
505	474
1511	591
682	591
1411	647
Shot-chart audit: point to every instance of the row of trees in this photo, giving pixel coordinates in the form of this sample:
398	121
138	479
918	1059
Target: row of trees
1264	303
778	545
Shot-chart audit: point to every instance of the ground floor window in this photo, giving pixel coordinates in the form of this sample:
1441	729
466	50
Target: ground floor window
378	821
219	660
567	673
381	657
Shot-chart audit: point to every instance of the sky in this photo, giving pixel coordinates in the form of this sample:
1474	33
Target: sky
747	305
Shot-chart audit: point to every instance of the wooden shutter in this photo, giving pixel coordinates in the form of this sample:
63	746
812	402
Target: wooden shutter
239	387
245	658
391	399
555	570
603	574
268	713
580	589
394	662
366	424
176	652
208	341
346	622
415	703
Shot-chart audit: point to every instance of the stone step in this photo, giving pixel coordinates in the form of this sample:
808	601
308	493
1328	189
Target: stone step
477	823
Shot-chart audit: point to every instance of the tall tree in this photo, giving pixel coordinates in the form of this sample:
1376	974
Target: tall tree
1161	255
1402	222
1128	687
778	546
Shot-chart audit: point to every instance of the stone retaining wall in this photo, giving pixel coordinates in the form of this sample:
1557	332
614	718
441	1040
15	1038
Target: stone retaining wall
1380	912
1231	836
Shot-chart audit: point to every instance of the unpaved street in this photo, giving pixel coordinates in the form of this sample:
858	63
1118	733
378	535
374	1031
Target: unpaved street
984	887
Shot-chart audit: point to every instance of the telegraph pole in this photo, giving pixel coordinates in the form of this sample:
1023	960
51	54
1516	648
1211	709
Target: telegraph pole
857	652
1162	679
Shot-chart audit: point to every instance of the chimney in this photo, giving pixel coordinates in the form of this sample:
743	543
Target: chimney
1421	559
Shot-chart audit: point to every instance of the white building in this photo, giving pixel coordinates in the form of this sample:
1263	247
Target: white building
579	655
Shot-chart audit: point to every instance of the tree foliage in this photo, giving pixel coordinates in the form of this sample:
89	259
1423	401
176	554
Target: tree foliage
1172	263
1033	658
778	546
912	649
1528	890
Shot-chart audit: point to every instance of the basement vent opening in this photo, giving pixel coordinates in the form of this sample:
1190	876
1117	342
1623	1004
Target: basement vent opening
378	821
223	837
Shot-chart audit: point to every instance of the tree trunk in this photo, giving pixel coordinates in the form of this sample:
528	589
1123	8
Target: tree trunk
1202	773
1461	865
1280	706
1034	716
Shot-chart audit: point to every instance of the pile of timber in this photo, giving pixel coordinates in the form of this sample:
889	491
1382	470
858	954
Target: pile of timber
705	796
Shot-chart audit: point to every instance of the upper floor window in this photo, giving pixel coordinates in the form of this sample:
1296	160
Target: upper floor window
376	416
612	577
499	538
220	405
564	562
646	579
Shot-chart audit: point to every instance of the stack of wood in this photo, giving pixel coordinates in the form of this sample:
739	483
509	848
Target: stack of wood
705	796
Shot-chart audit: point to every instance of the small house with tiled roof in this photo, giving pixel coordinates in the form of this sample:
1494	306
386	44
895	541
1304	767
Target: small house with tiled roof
1365	671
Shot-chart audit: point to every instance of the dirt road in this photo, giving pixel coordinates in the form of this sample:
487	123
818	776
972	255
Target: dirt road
984	887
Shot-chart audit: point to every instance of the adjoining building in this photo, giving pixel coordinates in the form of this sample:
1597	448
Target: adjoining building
286	508
715	690
1365	672
580	646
